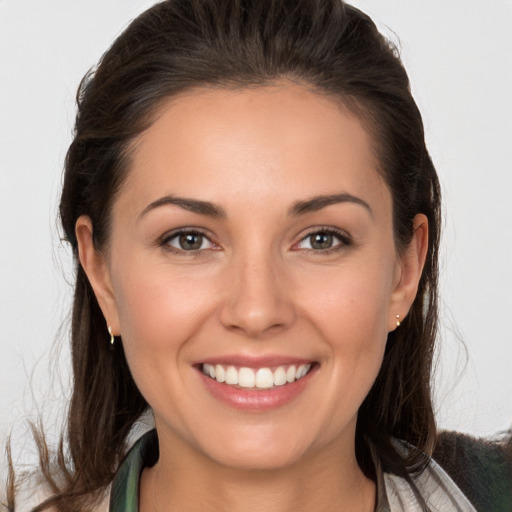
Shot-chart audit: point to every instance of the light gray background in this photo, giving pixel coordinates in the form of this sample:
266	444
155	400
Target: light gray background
459	58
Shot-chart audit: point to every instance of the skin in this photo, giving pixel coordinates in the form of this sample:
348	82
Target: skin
256	287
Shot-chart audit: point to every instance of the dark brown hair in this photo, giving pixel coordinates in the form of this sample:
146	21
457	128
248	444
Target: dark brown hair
176	45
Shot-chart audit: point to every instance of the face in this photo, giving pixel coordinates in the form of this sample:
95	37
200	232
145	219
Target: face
252	274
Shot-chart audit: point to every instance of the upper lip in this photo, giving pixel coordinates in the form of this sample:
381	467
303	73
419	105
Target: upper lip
247	361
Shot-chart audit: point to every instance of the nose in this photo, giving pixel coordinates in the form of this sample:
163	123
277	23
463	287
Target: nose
257	296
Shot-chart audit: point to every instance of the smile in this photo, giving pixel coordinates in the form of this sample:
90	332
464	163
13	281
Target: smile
256	378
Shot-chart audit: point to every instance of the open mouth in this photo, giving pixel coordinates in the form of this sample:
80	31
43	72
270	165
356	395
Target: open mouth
256	378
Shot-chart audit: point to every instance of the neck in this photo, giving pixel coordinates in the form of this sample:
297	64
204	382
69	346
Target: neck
185	481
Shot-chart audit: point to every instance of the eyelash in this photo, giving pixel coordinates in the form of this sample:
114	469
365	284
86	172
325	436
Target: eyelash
343	238
168	237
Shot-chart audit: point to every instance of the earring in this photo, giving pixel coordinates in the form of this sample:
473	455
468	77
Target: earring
397	320
112	338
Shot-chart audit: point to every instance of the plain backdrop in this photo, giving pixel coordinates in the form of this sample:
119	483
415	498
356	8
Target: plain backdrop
459	58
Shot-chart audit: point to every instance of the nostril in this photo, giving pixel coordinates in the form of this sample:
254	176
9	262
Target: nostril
255	320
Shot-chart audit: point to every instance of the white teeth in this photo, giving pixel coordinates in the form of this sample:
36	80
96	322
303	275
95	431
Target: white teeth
301	371
207	369
220	373
246	378
290	374
232	375
279	376
262	378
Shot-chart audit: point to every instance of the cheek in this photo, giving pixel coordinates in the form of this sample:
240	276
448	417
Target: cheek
159	317
352	302
160	311
350	310
356	327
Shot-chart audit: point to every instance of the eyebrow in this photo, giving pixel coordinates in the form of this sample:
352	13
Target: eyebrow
192	205
212	210
318	202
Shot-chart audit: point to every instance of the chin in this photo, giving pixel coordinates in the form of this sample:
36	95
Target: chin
250	455
263	461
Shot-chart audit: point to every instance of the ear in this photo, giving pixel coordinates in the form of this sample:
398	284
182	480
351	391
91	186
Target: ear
97	270
409	270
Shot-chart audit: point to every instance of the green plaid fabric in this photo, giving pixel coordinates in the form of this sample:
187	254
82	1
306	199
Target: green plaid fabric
481	469
124	495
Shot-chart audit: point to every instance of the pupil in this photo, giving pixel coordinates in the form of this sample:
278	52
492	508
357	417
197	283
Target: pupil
191	241
321	241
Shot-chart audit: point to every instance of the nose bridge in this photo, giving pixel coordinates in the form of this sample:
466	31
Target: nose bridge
256	299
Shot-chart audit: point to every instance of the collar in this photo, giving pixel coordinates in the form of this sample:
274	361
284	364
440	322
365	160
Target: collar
124	495
433	484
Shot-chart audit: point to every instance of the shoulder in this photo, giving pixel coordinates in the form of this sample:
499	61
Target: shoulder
481	468
32	489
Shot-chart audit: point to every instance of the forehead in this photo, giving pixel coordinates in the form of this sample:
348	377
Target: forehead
266	143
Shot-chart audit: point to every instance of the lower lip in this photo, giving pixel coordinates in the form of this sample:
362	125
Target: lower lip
256	399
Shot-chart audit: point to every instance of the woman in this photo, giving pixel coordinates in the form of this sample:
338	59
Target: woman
255	218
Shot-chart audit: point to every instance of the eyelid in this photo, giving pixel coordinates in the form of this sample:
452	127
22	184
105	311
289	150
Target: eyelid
344	238
163	241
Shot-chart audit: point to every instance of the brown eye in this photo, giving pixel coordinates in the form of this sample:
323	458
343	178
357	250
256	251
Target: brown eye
321	241
189	241
324	240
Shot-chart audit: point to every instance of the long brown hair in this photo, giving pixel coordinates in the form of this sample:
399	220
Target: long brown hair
326	45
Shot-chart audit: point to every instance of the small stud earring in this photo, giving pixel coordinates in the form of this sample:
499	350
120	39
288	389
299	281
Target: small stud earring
398	320
112	339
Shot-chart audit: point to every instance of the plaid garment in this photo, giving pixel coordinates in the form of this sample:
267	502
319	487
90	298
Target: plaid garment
482	470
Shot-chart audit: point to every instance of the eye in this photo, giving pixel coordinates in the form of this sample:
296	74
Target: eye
188	241
324	240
